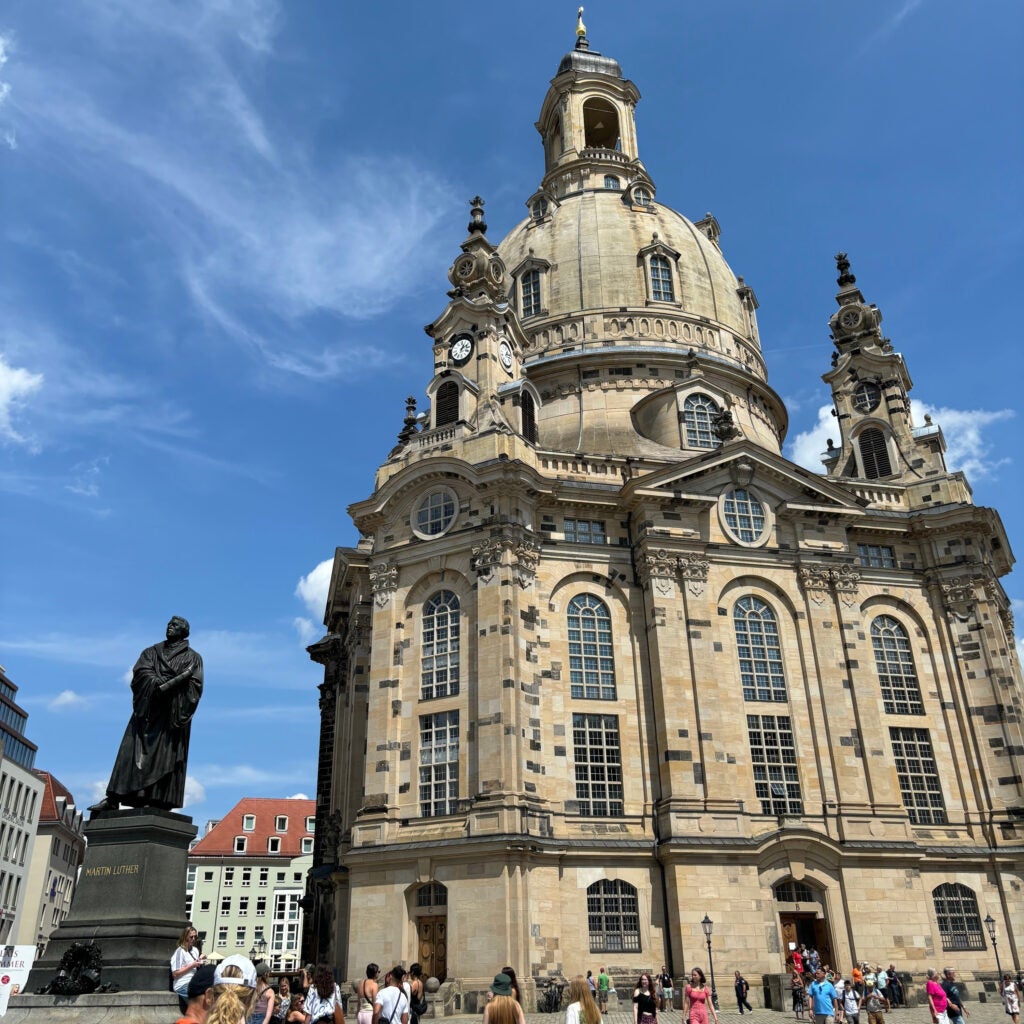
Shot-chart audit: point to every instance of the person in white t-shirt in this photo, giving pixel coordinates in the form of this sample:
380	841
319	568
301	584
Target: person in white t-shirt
184	961
392	1003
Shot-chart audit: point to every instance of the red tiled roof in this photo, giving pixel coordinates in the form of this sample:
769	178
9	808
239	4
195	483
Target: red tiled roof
220	840
52	788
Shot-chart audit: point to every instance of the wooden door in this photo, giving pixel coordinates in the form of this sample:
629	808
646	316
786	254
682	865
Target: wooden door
433	946
808	929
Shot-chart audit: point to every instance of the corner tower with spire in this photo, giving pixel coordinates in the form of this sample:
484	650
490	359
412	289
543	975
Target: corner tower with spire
602	652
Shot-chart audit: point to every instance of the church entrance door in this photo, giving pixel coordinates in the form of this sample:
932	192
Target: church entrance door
433	946
808	928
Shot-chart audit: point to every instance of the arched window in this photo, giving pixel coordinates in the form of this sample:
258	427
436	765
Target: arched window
433	894
591	664
792	891
613	917
901	694
956	911
757	644
661	280
529	288
539	208
600	124
528	412
447	404
612	183
439	667
699	412
874	453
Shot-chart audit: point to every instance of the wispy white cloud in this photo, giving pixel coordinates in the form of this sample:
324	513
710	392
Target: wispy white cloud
888	27
264	660
968	444
805	449
85	480
268	238
257	779
298	796
312	588
67	700
16	385
968	448
306	628
195	792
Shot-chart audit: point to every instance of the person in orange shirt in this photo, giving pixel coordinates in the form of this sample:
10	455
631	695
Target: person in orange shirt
857	977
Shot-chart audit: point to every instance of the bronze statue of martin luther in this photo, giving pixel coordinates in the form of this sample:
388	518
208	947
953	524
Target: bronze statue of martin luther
167	682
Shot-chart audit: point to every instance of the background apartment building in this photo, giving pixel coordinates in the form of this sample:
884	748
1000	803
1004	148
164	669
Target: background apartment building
20	790
53	869
246	877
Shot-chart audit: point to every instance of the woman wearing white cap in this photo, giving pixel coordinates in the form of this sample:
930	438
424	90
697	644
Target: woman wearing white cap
234	988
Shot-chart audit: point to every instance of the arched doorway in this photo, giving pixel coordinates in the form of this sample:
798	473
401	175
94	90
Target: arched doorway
430	910
802	918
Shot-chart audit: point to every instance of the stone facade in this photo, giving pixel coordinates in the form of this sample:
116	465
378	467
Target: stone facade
604	661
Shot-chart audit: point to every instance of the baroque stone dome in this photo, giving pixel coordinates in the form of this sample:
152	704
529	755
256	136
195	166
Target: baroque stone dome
595	242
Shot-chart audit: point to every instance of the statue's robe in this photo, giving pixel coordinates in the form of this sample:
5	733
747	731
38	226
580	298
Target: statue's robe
150	767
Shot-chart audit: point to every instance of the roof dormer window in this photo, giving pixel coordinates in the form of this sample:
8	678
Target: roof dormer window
539	208
642	196
661	280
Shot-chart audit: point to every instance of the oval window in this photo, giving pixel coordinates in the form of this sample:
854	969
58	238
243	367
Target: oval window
435	513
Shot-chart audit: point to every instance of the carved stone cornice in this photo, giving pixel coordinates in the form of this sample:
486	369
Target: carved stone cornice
819	578
693	570
659	570
383	582
486	556
327	650
357	636
662	570
526	552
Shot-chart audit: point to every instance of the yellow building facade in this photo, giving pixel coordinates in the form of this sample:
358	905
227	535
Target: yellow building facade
604	661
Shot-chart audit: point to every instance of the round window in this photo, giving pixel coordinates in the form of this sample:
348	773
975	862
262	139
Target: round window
744	517
435	513
867	396
641	197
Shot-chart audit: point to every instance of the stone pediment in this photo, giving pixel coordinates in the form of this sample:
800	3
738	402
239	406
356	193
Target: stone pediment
744	464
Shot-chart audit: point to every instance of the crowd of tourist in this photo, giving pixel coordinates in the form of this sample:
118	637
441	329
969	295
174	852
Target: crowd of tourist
237	991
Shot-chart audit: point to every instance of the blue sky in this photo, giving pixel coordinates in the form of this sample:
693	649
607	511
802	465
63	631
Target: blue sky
225	223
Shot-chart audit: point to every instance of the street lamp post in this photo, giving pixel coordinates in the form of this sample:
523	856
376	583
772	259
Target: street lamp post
991	926
708	925
259	948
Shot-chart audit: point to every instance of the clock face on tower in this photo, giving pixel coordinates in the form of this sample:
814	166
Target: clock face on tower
460	349
505	355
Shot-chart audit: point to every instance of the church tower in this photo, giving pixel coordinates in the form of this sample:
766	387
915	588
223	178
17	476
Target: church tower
604	659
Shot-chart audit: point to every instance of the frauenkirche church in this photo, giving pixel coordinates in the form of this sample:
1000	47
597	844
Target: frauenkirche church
605	661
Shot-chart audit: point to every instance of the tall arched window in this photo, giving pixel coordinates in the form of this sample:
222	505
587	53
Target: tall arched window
439	670
591	664
613	917
447	404
901	694
956	911
757	644
528	412
874	453
529	287
661	280
699	412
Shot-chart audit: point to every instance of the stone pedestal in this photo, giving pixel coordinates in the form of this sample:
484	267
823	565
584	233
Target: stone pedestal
130	898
